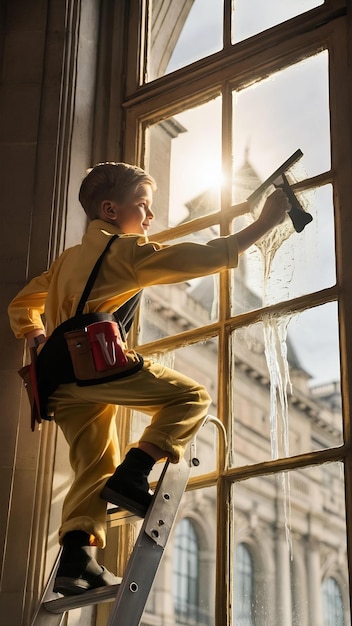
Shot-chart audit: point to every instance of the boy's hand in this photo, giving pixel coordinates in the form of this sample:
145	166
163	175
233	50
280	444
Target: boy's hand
275	208
35	338
273	213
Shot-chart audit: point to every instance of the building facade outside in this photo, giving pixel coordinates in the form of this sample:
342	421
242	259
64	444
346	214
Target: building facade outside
289	529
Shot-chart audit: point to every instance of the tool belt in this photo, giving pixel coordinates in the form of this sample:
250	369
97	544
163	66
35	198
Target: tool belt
87	349
98	353
71	355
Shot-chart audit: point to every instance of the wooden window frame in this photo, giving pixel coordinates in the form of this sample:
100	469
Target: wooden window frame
328	26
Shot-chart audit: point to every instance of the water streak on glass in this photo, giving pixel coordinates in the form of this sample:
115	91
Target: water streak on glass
275	342
310	378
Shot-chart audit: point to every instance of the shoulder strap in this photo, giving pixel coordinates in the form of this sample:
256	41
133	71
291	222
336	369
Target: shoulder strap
92	277
126	312
124	315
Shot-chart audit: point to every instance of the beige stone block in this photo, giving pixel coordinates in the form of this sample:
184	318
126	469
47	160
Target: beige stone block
5	488
28	441
50	111
9	410
57	20
23	56
11	354
19	531
54	55
11	605
16	268
41	230
17	166
46	164
13	249
15	555
19	113
23	15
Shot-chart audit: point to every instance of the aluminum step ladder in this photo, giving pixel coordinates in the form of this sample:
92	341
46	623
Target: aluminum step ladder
132	593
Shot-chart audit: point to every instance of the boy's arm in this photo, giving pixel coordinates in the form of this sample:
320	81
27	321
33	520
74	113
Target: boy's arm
26	309
273	213
154	263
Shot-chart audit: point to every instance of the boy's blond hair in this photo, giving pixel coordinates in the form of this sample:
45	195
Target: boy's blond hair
110	181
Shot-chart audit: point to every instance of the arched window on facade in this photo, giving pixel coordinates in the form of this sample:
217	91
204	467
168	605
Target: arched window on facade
332	603
243	586
186	573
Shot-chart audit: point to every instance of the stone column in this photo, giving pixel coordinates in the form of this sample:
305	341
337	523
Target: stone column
283	580
314	584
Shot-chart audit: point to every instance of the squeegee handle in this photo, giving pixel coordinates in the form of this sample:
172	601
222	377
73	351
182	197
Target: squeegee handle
300	218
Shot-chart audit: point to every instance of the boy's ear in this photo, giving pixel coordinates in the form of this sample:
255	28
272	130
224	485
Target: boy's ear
108	210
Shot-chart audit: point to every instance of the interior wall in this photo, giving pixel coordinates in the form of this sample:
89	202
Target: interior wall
48	51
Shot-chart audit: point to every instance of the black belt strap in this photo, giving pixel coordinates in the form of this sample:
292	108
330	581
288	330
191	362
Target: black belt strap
92	277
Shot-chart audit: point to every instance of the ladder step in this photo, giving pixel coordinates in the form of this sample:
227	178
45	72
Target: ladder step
95	596
117	516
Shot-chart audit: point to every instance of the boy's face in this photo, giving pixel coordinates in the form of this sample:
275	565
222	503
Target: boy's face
135	213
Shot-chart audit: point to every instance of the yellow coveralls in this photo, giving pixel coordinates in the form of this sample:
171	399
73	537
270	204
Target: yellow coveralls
86	415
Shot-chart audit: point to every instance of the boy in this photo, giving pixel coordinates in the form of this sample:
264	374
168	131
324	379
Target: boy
117	199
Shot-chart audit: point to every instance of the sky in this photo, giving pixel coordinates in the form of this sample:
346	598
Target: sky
272	119
202	32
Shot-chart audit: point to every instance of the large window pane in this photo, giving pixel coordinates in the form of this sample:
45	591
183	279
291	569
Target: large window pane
285	386
276	116
293	526
178	596
182	32
184	155
250	17
286	264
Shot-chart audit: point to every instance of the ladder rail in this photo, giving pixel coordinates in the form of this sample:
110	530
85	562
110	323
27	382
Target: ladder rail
40	617
150	546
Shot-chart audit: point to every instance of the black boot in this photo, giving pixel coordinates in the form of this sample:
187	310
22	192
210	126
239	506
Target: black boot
128	487
78	570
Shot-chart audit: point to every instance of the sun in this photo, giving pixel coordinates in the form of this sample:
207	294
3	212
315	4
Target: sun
208	175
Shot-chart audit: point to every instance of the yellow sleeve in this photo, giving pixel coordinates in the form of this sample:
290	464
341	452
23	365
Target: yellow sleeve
26	309
161	264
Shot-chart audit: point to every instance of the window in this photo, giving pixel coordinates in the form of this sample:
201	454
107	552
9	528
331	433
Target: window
185	573
332	601
243	586
211	118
